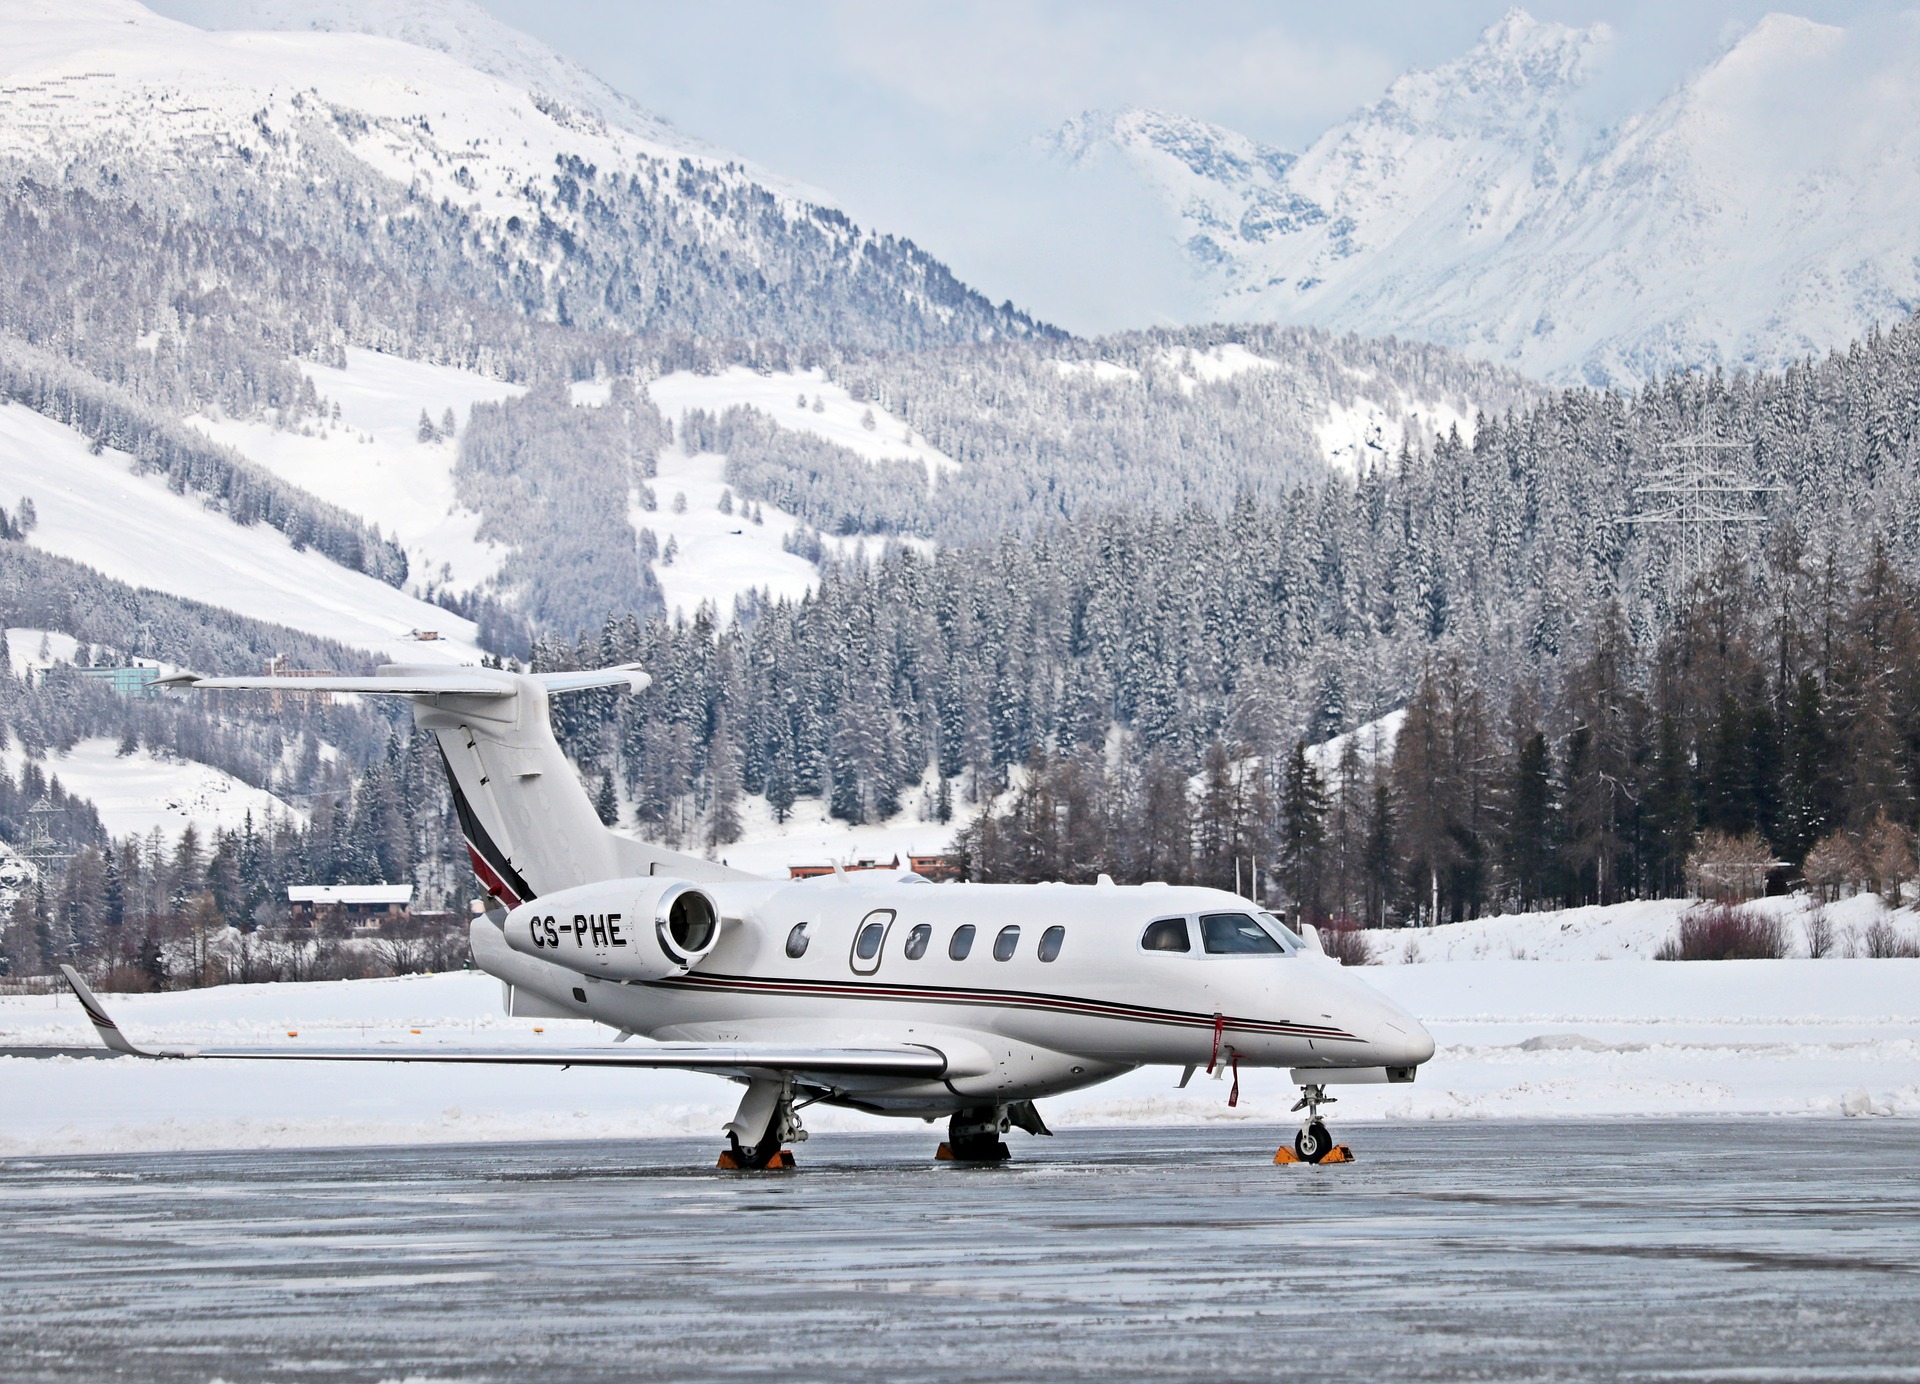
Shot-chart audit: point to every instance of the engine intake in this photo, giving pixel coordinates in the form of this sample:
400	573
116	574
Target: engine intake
620	929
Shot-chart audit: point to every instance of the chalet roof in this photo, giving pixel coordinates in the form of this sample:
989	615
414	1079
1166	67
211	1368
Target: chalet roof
350	893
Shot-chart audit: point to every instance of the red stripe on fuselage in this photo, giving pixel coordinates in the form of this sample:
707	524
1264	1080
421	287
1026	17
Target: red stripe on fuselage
1007	999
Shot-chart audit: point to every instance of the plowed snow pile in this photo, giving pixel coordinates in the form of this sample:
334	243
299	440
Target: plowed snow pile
1517	1038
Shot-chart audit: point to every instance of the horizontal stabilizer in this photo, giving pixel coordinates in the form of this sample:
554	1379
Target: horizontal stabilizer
422	682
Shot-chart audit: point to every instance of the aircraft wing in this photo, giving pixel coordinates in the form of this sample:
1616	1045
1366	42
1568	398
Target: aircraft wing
906	1060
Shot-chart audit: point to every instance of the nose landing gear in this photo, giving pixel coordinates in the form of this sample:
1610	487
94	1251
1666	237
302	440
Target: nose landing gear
1313	1144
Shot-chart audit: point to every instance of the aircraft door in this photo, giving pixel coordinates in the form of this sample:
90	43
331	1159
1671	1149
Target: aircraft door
869	941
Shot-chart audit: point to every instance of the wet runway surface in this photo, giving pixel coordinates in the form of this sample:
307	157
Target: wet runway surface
1708	1249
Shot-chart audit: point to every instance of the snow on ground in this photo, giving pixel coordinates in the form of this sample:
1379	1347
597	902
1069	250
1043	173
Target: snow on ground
24	649
1223	362
132	528
1190	367
1098	371
1366	433
1623	931
720	556
1516	1039
810	837
1374	741
777	395
373	464
136	793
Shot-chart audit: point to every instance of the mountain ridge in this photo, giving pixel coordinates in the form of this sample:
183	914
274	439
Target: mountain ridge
1483	205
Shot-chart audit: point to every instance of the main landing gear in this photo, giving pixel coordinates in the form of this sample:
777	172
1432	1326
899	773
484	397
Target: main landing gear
768	1108
973	1135
1313	1144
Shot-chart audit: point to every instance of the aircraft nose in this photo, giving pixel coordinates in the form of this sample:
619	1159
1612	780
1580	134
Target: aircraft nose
1402	1041
1394	1037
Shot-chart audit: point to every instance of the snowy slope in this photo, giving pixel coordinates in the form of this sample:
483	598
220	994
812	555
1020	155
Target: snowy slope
32	651
160	93
1760	211
372	463
80	69
132	528
465	33
1353	433
510	159
717	556
778	393
138	793
722	556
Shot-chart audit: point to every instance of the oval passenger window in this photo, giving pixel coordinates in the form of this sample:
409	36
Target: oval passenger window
869	944
962	942
1004	944
917	941
797	941
1050	941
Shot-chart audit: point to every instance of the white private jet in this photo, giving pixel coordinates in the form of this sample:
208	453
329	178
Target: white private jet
883	993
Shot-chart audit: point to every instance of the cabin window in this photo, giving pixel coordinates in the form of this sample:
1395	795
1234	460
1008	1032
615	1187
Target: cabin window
797	941
868	938
1235	934
962	942
1166	934
1004	944
917	941
1050	941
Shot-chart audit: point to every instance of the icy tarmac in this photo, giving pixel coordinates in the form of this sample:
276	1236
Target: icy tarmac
1763	1249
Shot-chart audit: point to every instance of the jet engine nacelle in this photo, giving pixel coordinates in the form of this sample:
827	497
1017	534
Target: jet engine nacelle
620	929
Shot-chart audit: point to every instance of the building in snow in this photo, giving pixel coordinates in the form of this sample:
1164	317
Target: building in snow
362	907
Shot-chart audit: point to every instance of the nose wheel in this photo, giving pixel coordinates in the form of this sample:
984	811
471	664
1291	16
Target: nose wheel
1313	1144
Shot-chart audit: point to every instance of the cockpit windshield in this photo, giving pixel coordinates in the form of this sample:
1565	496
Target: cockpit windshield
1237	934
1286	936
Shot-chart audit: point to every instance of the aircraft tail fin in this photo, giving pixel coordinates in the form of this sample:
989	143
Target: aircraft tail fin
529	825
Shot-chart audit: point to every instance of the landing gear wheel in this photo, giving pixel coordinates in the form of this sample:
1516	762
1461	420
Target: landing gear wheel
761	1155
766	1106
973	1136
1312	1144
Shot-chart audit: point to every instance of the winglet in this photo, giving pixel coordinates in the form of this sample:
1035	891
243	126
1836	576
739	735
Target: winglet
108	1030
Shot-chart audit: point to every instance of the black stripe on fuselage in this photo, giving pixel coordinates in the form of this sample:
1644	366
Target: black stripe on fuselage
481	844
1003	999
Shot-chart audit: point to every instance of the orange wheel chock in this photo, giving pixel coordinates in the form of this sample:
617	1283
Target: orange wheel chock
780	1162
1339	1153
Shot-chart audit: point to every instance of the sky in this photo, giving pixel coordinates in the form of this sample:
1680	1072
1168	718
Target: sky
928	120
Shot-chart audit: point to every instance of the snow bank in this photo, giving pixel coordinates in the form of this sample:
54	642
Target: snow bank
1516	1039
1621	931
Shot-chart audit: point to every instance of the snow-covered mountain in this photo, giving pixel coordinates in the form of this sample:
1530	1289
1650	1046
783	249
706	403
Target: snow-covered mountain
1763	209
432	141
